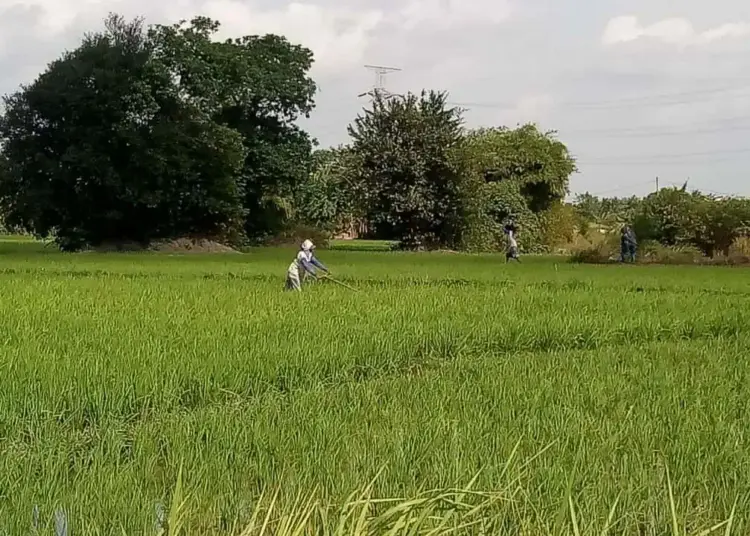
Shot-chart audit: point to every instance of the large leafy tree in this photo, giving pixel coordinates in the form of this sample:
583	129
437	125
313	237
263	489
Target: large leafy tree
538	163
512	174
405	146
137	135
101	148
258	86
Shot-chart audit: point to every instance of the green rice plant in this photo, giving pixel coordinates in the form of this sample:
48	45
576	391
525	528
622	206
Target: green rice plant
564	389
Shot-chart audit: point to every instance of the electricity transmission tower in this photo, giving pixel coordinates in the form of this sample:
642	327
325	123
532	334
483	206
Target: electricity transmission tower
378	90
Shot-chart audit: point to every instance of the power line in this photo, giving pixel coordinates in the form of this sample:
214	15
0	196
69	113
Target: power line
646	133
636	163
658	157
615	103
704	190
619	189
714	121
719	125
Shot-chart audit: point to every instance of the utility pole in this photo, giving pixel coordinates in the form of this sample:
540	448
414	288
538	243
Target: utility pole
378	89
657	184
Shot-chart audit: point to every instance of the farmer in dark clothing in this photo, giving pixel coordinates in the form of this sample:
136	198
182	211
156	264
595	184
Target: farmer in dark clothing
628	244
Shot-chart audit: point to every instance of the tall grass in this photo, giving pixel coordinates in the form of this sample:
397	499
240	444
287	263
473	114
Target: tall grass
561	393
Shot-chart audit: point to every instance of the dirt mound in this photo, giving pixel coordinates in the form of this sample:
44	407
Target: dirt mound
178	245
191	245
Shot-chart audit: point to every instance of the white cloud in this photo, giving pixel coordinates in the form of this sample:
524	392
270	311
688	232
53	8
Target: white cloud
51	16
524	59
673	31
442	14
338	37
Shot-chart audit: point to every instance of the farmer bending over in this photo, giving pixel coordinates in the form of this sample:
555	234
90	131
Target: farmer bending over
306	260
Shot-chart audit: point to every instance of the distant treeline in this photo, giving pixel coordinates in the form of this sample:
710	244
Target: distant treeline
143	133
672	217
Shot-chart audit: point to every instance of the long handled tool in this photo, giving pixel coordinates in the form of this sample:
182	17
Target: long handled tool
329	278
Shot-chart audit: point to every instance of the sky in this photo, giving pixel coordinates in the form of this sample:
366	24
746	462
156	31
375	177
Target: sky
637	89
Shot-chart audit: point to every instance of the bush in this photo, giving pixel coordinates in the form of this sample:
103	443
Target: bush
295	235
655	253
740	247
606	249
559	226
599	249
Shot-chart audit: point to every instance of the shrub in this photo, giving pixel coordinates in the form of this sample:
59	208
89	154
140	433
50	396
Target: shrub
559	226
295	235
655	253
740	246
600	249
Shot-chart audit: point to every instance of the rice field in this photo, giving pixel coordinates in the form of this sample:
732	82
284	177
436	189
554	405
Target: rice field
542	399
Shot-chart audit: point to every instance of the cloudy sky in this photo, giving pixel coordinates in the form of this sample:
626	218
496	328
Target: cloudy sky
636	88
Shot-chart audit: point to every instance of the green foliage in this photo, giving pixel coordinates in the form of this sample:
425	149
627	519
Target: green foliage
203	368
668	216
609	213
294	234
404	148
559	225
721	222
4	179
136	136
537	161
681	225
331	199
512	174
100	147
258	86
656	253
675	217
607	250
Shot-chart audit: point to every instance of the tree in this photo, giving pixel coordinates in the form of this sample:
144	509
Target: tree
720	222
258	86
332	198
516	174
141	135
674	217
102	148
607	212
4	178
404	146
670	216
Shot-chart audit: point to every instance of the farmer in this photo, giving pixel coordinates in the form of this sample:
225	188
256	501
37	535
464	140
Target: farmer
512	252
628	244
306	260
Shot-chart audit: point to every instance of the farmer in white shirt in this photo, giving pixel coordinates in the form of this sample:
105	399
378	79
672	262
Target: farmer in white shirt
512	253
305	260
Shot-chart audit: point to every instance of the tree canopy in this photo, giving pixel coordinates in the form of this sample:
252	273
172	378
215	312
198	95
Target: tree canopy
512	175
257	86
676	217
404	146
142	134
